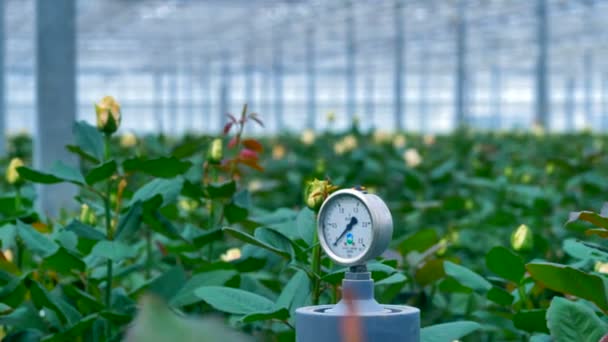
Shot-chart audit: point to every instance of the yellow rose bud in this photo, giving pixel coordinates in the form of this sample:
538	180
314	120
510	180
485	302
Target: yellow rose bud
128	140
216	151
308	137
522	238
12	176
316	192
231	255
108	115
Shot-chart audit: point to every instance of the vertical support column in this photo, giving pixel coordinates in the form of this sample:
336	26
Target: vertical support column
189	95
351	77
423	91
158	101
588	76
569	103
604	100
205	96
2	82
277	70
311	81
496	96
369	97
266	90
461	84
224	93
173	109
542	41
248	71
56	95
399	65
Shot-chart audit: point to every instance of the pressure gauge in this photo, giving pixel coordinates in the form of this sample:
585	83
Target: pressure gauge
354	227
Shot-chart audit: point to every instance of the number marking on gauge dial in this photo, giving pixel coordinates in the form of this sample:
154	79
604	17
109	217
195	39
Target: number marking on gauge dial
347	226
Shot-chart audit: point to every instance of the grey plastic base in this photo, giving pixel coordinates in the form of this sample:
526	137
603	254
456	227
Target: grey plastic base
326	323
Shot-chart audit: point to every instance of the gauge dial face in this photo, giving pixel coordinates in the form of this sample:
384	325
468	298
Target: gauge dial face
347	226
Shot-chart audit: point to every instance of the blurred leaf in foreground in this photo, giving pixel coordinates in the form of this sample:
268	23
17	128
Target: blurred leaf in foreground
155	322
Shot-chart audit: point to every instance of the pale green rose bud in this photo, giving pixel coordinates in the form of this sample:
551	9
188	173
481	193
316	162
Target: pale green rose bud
522	238
12	175
316	192
87	215
216	151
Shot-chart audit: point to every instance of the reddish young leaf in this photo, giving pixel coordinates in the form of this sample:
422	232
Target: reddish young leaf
161	248
254	117
252	164
227	127
232	118
248	154
253	144
232	142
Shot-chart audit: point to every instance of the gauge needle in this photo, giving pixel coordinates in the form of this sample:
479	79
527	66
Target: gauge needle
349	226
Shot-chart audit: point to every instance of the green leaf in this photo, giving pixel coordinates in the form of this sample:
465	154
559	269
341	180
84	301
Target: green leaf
101	172
88	139
113	250
234	213
306	224
207	237
296	293
26	335
589	216
601	232
236	301
169	189
130	222
506	264
570	321
466	277
256	242
419	241
82	154
571	281
189	148
500	296
84	231
279	314
42	298
275	239
162	167
37	176
25	316
448	331
169	283
157	323
531	320
185	296
223	190
35	241
64	262
585	251
66	172
75	331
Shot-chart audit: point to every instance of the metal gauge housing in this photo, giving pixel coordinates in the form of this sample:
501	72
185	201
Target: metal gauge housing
354	227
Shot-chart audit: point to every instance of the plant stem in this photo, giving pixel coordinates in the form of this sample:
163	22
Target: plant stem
19	248
108	219
316	270
523	298
148	253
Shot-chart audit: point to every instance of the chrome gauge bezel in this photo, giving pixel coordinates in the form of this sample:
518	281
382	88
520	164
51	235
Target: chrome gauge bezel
381	225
